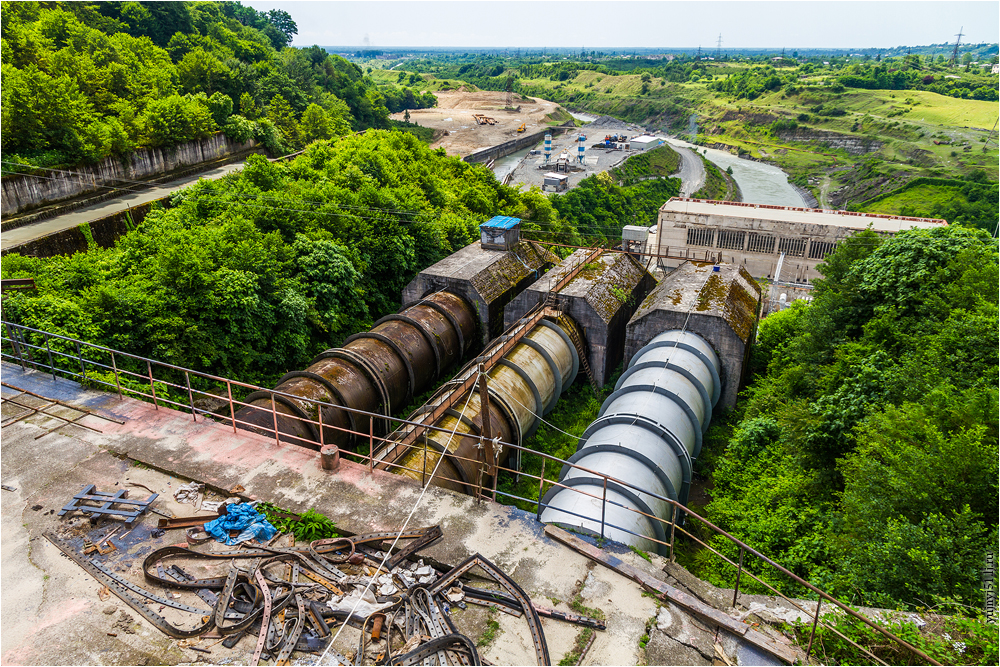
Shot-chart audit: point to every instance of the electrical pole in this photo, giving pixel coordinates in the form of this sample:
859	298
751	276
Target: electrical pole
954	54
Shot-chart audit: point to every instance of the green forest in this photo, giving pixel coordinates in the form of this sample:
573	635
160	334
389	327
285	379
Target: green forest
85	80
251	275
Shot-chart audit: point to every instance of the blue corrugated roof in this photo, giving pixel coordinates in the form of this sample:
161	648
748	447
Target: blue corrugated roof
502	222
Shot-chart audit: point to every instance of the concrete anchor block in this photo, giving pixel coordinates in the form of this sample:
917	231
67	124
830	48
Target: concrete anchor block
329	458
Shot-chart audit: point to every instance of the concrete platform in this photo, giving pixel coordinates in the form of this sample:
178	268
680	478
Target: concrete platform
52	613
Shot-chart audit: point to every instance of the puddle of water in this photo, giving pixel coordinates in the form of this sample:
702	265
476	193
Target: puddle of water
760	183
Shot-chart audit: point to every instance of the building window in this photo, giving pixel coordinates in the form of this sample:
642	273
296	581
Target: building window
731	240
760	243
792	247
700	236
820	249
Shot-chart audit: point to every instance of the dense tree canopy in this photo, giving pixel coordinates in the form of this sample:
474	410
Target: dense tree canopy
866	457
251	275
82	81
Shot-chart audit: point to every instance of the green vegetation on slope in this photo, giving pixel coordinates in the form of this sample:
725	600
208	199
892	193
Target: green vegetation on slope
82	81
251	275
865	459
596	210
659	162
972	203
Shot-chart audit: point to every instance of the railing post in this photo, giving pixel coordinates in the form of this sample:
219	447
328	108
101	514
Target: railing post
604	505
496	470
152	387
79	355
371	444
274	415
739	571
541	481
812	635
232	409
27	350
423	474
17	348
673	525
319	420
118	384
52	364
187	381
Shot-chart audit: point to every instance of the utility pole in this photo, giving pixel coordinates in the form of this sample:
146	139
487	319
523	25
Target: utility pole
954	54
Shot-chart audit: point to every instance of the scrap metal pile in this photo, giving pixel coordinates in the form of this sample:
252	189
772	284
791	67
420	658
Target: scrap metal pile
298	598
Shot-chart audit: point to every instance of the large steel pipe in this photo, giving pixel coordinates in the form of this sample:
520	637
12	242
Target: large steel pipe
647	434
375	371
526	383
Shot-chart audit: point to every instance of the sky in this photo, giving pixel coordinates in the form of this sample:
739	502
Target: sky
600	24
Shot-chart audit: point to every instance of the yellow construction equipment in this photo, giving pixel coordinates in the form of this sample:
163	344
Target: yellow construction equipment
522	128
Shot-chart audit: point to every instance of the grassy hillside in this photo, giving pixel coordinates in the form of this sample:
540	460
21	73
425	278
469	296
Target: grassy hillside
847	145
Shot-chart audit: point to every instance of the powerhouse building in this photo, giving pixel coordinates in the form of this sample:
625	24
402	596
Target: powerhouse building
755	236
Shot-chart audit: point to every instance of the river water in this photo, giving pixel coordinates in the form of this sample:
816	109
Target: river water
760	183
585	117
507	164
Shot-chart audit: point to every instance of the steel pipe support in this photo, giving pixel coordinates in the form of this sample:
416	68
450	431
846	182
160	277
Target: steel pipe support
647	434
376	371
523	385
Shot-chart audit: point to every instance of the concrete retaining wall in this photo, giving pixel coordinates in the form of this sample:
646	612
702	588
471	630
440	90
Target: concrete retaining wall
105	231
25	192
514	145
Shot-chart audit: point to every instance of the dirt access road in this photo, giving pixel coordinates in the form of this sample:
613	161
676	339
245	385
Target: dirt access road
454	112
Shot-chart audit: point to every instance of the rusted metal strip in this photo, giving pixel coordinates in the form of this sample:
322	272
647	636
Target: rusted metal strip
531	615
265	620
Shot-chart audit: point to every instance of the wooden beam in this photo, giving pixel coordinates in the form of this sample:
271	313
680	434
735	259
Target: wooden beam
706	613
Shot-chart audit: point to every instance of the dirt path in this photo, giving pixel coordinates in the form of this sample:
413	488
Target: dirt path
692	172
824	189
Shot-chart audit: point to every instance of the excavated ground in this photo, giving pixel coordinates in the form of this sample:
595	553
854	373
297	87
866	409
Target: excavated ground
454	112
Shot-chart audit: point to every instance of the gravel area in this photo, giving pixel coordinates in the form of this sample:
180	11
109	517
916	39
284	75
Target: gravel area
531	170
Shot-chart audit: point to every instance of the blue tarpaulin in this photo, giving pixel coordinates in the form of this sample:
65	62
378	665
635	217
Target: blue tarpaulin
242	517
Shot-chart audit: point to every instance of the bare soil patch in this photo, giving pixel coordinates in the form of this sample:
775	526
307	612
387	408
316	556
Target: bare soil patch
454	115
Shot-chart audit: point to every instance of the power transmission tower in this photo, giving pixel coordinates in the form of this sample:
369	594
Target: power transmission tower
718	47
954	54
699	52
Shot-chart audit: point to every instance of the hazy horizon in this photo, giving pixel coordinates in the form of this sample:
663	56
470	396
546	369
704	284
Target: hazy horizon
603	25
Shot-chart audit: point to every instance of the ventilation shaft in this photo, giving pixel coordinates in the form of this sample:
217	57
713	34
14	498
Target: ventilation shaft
646	435
526	382
374	371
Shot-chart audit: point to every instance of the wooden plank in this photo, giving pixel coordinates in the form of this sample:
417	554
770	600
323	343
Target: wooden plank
678	597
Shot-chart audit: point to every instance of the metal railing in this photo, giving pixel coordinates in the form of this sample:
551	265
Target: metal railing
131	374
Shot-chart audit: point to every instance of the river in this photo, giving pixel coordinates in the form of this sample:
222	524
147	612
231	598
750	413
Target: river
760	183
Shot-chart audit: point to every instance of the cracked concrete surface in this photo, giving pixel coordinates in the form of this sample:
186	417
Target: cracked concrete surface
52	613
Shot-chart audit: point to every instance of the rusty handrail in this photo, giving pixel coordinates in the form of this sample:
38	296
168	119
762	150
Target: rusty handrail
18	346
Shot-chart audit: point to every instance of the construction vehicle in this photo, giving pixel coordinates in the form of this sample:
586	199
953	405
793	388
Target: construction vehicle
522	128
